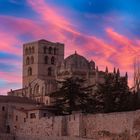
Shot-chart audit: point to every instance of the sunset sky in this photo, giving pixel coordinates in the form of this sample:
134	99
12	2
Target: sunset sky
106	31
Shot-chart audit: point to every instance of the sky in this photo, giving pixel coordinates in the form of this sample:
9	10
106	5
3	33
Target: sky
105	31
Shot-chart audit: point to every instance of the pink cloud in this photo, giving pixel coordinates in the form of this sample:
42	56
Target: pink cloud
55	27
8	43
49	14
11	76
106	50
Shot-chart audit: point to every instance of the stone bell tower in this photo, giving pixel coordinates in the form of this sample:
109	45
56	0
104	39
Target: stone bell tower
40	59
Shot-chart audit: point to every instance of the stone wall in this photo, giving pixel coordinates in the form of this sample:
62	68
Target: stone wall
121	126
45	126
6	137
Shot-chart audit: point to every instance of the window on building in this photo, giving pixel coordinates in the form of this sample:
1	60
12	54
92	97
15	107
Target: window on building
50	50
24	119
32	60
49	71
27	61
15	127
37	89
8	129
32	115
52	60
85	132
3	108
45	49
46	59
16	118
44	114
29	71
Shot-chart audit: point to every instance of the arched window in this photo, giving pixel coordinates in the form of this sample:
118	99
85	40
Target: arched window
32	60
27	61
49	71
50	50
46	59
30	50
33	50
45	49
3	108
29	71
7	129
55	51
37	90
52	60
26	51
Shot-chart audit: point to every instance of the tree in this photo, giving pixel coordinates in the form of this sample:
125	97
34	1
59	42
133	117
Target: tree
114	93
72	96
103	95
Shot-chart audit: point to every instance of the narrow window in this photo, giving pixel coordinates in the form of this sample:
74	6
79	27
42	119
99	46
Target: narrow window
49	71
27	61
32	115
24	119
44	115
8	129
50	50
46	59
29	71
16	118
37	89
85	131
3	108
52	60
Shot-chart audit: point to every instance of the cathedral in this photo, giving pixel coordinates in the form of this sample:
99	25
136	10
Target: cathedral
44	64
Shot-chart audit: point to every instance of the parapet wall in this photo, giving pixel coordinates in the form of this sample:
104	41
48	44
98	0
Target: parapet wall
94	126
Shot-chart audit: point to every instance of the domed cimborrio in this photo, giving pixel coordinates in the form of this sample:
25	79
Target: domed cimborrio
76	61
76	65
48	66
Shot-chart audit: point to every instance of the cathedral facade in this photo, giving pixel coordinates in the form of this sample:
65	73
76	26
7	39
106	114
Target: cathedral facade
44	64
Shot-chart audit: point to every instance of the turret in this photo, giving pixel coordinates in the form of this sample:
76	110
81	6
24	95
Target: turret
106	70
118	72
114	71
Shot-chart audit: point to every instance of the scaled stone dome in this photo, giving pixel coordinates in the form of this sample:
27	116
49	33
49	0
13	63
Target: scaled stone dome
76	61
